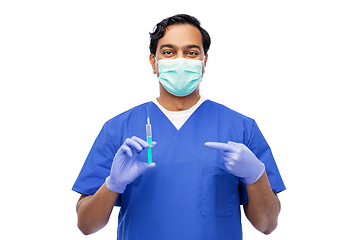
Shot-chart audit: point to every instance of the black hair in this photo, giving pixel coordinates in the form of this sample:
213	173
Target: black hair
160	29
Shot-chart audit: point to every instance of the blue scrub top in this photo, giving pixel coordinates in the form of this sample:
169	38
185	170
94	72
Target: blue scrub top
189	194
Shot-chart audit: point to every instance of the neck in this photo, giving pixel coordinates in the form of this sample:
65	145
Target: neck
174	103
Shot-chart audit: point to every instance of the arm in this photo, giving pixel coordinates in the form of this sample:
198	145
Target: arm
94	211
263	207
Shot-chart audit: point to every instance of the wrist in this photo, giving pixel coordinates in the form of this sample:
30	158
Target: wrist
112	186
256	172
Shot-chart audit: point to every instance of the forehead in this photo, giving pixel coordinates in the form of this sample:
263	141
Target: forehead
181	35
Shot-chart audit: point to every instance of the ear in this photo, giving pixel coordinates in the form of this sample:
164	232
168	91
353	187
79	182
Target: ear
205	59
152	62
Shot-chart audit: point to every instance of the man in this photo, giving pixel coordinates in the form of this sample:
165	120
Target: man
208	159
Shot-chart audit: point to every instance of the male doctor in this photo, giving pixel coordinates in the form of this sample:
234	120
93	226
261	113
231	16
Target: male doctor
208	159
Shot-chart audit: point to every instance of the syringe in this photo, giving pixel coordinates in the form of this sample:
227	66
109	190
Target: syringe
148	137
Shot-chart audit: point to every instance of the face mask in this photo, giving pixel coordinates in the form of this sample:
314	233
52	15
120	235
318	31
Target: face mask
180	76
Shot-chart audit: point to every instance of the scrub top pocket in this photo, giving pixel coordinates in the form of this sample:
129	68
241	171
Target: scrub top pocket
219	193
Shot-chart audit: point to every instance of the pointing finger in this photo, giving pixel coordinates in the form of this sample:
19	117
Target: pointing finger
218	146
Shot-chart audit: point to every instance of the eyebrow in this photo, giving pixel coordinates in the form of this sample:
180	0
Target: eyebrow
166	46
186	47
192	46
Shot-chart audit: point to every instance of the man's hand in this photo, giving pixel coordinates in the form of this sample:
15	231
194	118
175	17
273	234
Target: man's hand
239	160
126	166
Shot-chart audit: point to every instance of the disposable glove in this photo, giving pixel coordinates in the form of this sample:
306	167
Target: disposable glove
239	160
126	166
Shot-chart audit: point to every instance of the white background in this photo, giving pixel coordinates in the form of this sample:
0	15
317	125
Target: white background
66	67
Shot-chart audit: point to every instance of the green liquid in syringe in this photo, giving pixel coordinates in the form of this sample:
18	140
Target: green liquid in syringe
149	150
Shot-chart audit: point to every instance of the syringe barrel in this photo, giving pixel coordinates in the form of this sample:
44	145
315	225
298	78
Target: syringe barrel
148	134
148	130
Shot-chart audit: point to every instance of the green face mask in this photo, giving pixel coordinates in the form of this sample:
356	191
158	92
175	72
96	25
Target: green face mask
180	76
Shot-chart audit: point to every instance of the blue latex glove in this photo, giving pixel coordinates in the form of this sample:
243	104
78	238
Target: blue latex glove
126	166
239	160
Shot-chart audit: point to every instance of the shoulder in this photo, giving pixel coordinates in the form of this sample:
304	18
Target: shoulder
234	126
232	115
125	121
125	116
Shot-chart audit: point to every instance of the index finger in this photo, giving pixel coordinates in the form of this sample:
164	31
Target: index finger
218	145
142	143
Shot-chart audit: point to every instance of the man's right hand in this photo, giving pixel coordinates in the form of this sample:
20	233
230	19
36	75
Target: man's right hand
126	166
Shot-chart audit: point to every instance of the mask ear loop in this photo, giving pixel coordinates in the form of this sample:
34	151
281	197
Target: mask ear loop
156	60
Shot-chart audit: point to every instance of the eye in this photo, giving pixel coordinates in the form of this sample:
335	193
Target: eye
167	52
193	53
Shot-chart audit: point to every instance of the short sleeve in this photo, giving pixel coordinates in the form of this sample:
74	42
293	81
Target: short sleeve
97	165
262	151
243	192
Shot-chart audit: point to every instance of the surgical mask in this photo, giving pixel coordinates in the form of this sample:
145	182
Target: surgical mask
180	76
